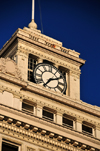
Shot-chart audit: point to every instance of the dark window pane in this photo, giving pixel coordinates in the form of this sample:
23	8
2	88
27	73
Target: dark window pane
48	114
31	66
8	147
86	128
27	107
30	76
67	121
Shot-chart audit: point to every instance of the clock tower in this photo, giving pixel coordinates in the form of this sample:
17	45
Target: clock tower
29	47
40	106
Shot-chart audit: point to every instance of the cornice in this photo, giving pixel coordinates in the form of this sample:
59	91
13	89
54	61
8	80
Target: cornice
45	54
64	99
8	43
47	47
16	126
25	36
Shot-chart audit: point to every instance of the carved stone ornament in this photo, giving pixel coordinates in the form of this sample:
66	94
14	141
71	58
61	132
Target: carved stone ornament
30	149
8	66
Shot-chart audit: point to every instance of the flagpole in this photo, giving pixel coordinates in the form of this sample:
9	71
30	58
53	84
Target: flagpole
32	25
33	2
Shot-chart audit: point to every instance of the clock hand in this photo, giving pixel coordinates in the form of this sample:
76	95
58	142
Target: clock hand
51	80
47	82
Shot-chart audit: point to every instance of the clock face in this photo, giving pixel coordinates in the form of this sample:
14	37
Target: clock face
49	77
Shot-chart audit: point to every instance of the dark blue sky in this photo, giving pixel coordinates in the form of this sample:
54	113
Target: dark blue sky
76	23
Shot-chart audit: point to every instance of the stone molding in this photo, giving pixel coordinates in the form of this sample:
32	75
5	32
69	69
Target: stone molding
27	134
30	149
24	35
19	94
47	123
74	73
44	55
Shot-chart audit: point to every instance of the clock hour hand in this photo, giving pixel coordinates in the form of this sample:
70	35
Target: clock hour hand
50	80
47	82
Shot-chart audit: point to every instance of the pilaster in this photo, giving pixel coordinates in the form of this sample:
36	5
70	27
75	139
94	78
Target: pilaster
39	111
97	131
59	118
74	85
22	62
78	126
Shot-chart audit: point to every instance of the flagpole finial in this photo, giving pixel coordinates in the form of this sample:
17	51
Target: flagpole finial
32	25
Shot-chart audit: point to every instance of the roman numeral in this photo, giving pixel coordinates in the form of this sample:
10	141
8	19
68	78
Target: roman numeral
55	72
39	80
44	68
39	75
59	88
40	70
59	83
50	69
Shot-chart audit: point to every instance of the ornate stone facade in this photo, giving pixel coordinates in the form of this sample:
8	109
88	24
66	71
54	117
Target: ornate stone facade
23	103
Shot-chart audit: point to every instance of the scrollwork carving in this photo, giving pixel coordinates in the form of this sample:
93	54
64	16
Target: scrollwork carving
8	66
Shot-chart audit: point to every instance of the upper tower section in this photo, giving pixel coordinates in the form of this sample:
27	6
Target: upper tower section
58	68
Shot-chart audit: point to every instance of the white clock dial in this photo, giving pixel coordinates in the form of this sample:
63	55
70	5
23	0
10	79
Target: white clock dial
50	77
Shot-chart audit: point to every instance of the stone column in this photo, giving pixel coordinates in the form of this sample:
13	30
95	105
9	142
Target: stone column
97	132
59	118
39	111
78	125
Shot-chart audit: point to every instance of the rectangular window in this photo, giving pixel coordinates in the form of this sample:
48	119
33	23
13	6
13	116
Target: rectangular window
27	108
9	147
31	65
86	129
48	114
67	122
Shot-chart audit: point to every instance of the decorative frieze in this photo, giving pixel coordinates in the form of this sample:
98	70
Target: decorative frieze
41	103
51	135
10	120
35	129
18	123
43	132
36	138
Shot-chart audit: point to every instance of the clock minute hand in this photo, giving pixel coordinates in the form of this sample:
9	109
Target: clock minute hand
57	78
